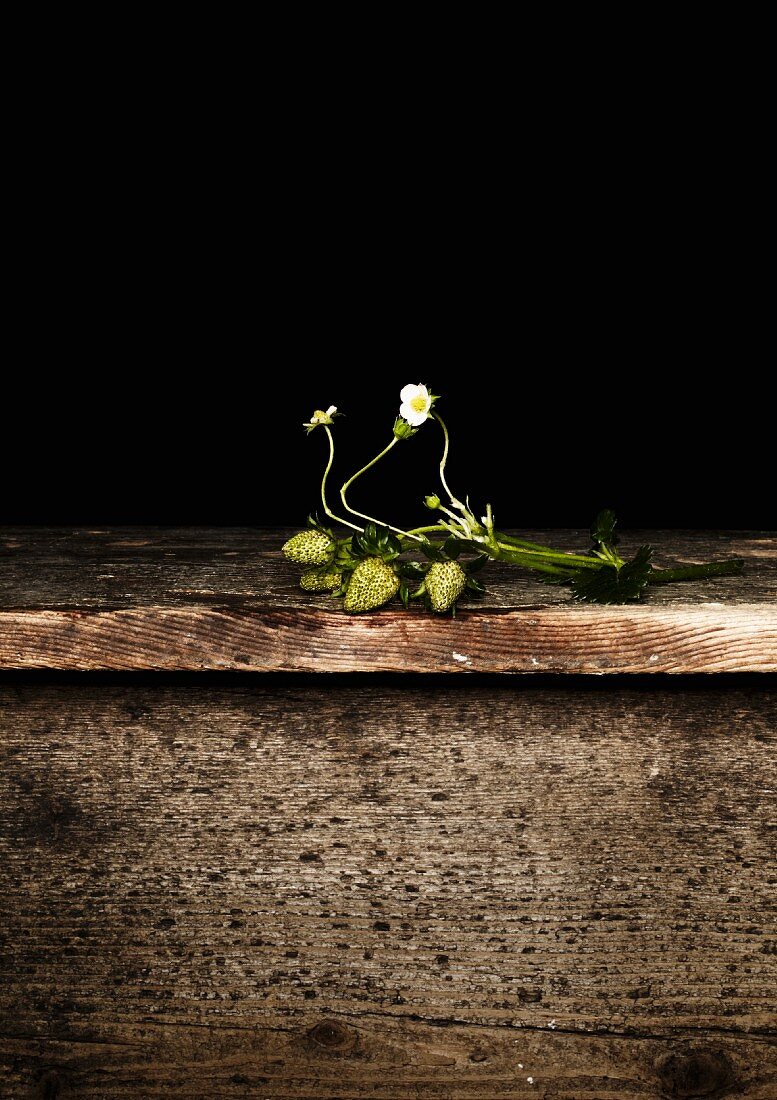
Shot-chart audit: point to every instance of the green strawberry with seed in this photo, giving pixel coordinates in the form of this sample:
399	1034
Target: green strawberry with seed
320	580
445	583
310	548
372	584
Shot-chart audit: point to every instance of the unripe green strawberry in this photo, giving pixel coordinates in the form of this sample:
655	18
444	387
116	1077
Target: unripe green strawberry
445	583
310	548
320	580
372	584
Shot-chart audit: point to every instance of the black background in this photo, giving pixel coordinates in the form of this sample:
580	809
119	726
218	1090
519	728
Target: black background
183	306
544	450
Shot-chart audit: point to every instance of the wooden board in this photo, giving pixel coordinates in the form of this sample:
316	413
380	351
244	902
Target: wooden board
428	890
227	599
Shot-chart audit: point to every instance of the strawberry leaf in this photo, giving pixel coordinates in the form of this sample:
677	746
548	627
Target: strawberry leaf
476	564
612	585
412	569
433	551
603	530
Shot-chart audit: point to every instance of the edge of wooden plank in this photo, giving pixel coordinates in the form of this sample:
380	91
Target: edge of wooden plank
709	638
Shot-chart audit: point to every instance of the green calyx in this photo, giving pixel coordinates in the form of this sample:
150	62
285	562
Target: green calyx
403	430
376	542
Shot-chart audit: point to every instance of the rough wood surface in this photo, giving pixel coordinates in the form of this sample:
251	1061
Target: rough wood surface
226	599
448	891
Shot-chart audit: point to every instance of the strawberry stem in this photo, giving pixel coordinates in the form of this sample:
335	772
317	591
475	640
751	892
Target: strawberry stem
729	567
426	530
528	557
363	515
444	460
331	514
511	541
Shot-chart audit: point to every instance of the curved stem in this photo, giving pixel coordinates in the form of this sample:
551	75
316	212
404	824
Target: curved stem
363	515
331	515
444	460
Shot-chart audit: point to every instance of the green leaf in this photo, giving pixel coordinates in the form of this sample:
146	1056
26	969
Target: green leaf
476	564
434	553
413	569
474	585
611	585
404	594
603	530
344	560
452	546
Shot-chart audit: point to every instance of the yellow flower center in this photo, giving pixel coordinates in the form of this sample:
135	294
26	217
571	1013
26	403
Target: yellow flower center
418	404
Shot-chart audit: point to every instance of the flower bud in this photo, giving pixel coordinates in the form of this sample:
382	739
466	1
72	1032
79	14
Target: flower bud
403	430
432	502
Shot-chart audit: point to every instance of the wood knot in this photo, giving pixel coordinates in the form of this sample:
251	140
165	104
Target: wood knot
49	1086
686	1073
333	1036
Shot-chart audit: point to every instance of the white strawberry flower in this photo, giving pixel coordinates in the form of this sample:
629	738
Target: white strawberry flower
321	417
416	405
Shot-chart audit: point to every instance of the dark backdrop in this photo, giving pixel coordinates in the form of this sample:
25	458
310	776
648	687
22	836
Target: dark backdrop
605	319
547	447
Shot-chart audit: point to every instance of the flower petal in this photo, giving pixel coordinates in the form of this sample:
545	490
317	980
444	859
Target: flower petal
407	393
414	418
331	410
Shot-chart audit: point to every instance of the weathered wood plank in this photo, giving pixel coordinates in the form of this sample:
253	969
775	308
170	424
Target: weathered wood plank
426	891
226	599
141	567
383	1058
576	639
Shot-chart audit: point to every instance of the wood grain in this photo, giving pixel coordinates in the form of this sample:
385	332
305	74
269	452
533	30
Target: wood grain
226	599
440	891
